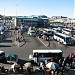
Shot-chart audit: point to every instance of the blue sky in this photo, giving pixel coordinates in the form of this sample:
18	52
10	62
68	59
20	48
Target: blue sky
38	7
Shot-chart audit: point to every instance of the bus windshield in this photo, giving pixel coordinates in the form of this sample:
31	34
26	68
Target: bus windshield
68	40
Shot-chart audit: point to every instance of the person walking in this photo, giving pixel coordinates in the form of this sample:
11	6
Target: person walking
11	33
48	41
58	42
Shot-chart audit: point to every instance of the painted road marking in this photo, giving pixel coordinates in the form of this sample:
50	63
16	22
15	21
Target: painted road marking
42	42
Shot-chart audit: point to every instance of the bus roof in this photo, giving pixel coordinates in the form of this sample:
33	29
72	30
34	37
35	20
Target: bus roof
1	51
64	35
32	31
47	51
67	29
47	29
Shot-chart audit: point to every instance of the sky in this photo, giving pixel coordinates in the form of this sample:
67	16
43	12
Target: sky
38	7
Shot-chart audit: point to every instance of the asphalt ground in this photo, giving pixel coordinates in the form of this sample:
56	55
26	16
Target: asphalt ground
31	43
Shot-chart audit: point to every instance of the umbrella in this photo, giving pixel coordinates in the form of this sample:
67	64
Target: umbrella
52	65
28	64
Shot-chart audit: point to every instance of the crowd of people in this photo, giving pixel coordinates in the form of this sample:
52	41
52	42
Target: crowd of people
65	63
17	69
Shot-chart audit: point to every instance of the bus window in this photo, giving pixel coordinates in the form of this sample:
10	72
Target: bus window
68	40
47	54
35	54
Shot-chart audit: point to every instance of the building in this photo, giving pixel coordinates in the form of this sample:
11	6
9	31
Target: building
61	20
6	20
58	17
34	21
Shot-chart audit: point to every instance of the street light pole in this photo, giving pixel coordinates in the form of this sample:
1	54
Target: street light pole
16	10
17	37
4	17
44	23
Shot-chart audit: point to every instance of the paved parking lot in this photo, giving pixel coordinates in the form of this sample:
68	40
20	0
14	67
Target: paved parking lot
32	43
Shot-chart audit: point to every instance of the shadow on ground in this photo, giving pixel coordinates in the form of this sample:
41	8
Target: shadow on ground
22	62
7	41
5	46
27	40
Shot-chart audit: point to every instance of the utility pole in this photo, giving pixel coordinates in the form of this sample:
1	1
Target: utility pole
44	23
16	10
4	17
17	37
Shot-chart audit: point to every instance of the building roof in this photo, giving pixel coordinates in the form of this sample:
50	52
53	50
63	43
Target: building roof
32	18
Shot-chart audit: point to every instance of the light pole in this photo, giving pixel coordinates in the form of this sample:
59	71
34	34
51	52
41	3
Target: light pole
4	17
44	23
17	36
16	10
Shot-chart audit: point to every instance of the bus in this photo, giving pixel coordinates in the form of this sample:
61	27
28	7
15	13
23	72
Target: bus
32	33
44	55
67	31
1	29
47	34
63	38
2	56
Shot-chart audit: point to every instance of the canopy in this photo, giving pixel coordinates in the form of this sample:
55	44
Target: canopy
12	55
52	65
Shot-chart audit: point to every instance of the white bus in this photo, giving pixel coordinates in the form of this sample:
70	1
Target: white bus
48	32
67	31
44	54
63	38
32	33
